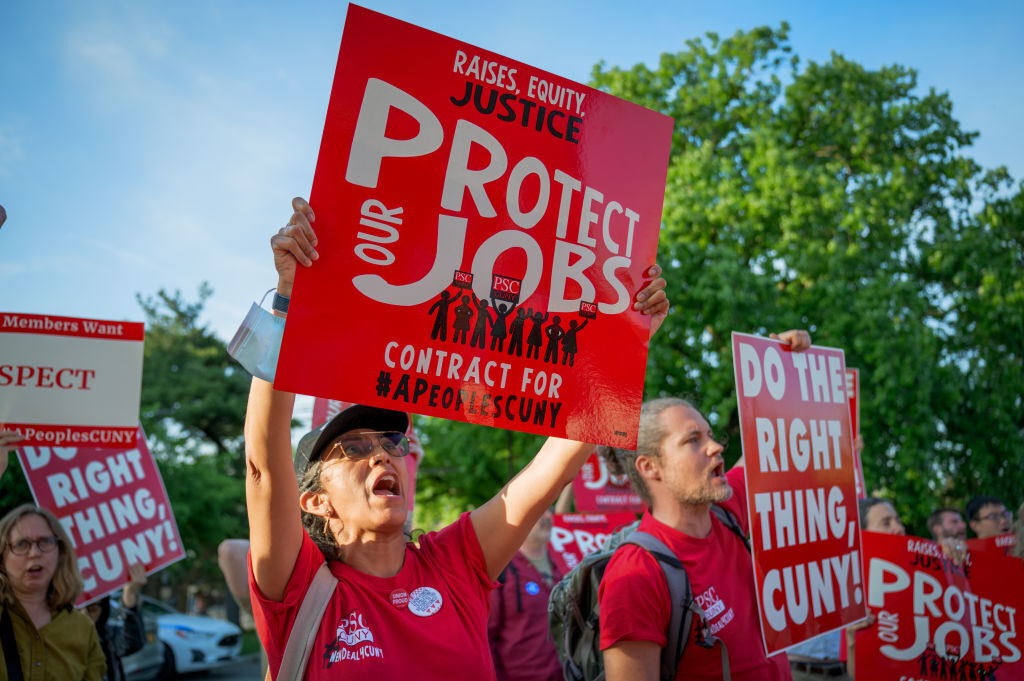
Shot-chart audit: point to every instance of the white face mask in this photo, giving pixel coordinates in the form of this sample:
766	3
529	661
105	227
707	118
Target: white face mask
257	342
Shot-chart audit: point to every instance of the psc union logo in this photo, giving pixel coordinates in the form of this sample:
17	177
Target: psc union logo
353	629
710	603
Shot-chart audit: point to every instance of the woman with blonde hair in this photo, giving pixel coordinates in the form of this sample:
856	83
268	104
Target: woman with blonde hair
43	636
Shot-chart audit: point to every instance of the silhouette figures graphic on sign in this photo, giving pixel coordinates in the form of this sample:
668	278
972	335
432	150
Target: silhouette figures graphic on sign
536	337
569	341
440	329
463	316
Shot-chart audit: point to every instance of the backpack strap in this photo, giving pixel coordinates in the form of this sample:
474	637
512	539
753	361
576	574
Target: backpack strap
503	578
684	608
730	521
519	596
11	657
306	626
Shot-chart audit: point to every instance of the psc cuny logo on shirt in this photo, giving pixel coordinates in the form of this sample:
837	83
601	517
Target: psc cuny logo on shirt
353	641
710	603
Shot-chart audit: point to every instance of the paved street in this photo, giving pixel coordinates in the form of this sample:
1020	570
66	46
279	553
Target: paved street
248	669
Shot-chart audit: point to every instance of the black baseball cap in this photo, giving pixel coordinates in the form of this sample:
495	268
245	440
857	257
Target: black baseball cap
312	444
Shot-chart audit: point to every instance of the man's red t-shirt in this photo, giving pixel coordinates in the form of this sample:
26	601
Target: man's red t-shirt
427	622
635	606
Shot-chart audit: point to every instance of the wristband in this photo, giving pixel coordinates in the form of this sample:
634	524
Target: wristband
280	303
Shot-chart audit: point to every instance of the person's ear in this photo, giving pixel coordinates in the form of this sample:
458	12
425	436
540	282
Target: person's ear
648	468
316	503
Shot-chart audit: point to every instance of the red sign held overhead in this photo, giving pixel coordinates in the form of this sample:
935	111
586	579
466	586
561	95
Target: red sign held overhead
798	463
440	158
113	505
937	620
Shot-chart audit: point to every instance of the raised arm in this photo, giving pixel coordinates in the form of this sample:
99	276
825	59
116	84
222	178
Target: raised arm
271	492
502	523
8	439
131	637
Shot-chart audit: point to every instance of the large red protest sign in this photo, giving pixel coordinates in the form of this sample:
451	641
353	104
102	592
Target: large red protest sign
798	463
936	620
113	505
595	489
576	535
66	381
1001	543
483	228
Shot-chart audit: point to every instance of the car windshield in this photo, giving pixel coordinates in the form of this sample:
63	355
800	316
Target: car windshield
157	608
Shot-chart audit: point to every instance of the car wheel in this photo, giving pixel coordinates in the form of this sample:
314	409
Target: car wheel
167	671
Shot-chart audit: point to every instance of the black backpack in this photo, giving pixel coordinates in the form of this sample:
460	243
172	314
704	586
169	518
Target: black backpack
573	616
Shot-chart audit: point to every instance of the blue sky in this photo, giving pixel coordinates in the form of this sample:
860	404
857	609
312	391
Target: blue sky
148	145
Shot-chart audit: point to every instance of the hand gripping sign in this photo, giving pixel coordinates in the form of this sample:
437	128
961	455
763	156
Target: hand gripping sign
936	620
798	463
113	505
467	205
66	381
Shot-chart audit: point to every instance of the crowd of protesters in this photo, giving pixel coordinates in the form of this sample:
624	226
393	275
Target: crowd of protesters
468	601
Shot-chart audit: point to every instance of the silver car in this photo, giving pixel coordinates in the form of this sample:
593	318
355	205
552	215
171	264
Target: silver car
182	643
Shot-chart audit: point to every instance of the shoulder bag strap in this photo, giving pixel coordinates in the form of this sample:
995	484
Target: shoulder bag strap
11	656
730	521
307	623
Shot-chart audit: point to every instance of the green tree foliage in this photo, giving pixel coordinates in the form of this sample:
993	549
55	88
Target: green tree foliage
14	489
192	410
839	199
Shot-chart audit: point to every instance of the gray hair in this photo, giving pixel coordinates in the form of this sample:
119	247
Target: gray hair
315	525
650	434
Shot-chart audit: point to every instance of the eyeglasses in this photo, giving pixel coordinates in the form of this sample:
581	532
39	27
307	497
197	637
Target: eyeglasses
23	546
362	445
996	516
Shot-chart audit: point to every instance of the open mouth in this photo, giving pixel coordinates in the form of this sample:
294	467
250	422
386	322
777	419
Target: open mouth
386	485
719	470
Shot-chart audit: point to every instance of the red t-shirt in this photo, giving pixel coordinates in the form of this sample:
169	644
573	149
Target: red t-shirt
518	625
427	622
635	605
